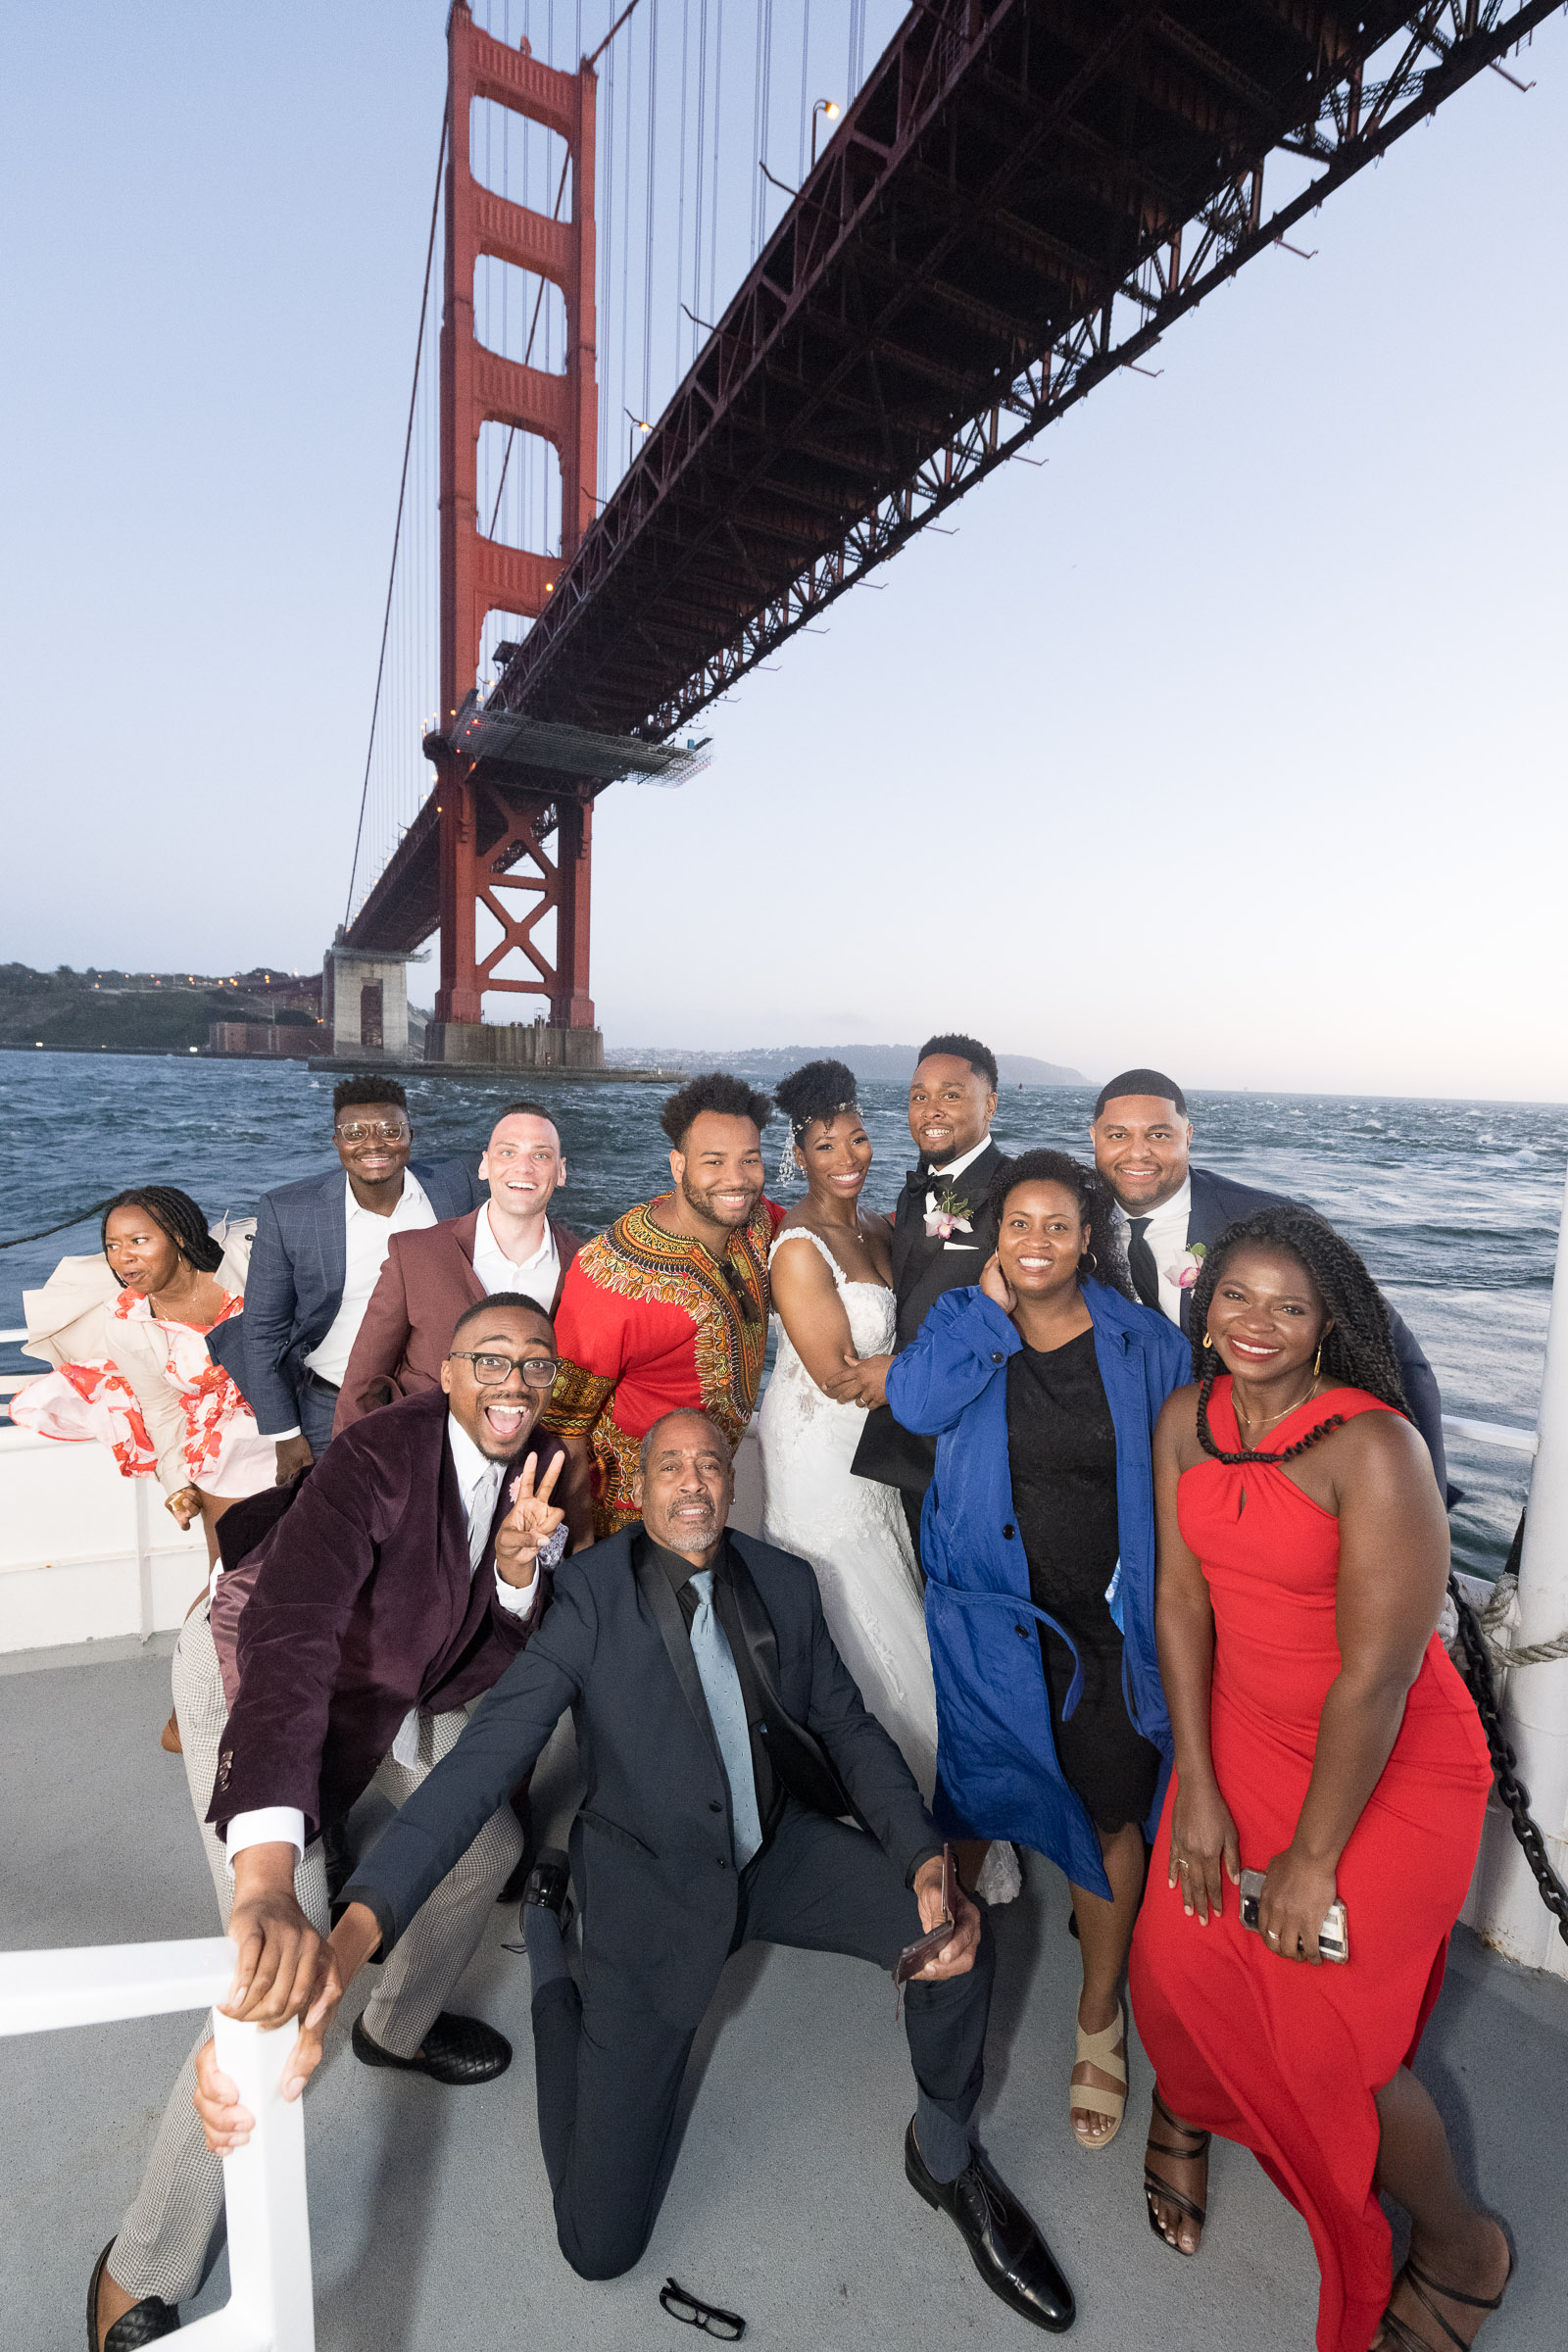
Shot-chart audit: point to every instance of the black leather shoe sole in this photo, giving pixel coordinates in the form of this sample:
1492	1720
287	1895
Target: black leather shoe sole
145	2323
1023	2274
458	2052
547	1883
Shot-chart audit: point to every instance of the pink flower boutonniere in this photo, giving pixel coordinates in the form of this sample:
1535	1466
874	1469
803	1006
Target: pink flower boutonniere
1186	1268
951	1215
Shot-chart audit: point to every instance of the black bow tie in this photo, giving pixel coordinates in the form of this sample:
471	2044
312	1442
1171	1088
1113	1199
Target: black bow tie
918	1179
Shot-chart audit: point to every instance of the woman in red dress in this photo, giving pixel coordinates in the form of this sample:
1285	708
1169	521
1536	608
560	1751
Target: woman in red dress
1322	1737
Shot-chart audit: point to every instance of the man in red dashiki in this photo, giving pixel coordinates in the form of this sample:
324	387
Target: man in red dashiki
670	1307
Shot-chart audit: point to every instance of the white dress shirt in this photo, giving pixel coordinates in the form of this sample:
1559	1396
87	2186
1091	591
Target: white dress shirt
1167	1235
367	1240
956	1167
537	1277
479	1484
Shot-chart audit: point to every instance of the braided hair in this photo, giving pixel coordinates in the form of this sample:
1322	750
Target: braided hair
175	1214
1357	1349
1095	1206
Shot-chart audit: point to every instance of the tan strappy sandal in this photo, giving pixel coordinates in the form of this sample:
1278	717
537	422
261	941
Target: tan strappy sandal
1106	2052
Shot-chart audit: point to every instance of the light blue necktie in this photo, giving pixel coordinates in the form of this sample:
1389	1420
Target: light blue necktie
722	1687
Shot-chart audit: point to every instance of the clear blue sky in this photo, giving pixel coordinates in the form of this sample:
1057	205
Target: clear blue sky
1229	740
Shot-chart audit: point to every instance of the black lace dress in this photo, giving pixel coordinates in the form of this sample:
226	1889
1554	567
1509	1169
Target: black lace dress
1062	1450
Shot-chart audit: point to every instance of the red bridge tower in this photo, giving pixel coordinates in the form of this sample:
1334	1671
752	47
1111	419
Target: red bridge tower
493	827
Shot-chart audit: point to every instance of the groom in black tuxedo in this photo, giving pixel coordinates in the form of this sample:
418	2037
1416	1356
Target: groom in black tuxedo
1175	1213
943	1234
725	1743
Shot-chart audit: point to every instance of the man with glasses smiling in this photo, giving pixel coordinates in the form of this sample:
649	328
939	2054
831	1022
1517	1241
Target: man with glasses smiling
320	1247
360	1616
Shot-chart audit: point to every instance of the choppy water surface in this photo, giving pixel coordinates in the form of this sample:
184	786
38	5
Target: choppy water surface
1453	1204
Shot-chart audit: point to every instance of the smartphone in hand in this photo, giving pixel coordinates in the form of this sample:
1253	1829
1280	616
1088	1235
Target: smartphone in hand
914	1956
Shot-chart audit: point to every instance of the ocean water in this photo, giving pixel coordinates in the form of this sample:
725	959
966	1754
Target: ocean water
1455	1205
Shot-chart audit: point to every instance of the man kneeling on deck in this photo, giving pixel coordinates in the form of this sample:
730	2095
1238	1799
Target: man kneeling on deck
362	1613
721	1737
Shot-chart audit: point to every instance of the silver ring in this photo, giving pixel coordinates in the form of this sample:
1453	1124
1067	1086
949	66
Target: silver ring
1273	1934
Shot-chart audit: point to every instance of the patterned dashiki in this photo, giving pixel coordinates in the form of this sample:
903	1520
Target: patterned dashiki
648	1322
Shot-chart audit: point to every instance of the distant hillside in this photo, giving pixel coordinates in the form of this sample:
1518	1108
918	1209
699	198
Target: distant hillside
161	1012
873	1064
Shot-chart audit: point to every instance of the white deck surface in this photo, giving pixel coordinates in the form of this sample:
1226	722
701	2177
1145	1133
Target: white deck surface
430	2214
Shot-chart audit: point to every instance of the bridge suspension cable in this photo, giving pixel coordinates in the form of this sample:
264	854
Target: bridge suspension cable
397	528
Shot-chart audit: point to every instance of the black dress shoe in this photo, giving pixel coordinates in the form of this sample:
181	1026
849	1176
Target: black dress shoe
1009	2251
456	2049
548	1881
517	1879
145	2323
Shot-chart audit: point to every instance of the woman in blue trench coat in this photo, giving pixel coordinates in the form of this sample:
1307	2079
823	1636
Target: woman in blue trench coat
1042	1387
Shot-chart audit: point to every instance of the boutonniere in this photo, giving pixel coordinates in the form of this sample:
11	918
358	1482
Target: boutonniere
950	1216
1186	1268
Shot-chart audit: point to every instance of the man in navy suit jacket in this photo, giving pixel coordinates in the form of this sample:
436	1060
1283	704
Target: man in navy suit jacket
1175	1213
320	1247
723	1741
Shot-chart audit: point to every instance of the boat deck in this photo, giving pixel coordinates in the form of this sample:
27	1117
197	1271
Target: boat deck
430	2214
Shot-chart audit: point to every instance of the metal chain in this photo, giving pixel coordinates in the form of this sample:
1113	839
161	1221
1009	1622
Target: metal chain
1475	1665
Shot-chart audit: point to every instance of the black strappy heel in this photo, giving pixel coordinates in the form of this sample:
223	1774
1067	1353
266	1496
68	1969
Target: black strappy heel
1154	2186
1396	2331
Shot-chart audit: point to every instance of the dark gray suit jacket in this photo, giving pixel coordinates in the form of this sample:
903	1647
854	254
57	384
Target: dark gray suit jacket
923	1267
1219	1201
295	1283
652	1850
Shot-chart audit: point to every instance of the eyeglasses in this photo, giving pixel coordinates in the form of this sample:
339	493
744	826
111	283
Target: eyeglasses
539	1371
727	2325
380	1130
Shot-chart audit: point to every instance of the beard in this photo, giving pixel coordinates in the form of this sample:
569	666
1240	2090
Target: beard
705	1203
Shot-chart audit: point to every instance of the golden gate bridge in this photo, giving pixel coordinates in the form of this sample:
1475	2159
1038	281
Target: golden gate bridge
930	252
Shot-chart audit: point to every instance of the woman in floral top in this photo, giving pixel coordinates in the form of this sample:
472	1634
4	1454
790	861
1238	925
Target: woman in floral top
128	1334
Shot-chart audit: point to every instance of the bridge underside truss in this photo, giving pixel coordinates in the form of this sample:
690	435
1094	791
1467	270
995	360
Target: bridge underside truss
1026	194
1023	197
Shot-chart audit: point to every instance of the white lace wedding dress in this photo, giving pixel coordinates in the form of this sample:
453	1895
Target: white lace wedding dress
852	1532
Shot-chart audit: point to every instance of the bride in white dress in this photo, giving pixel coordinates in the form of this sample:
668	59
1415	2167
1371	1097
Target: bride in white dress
833	1304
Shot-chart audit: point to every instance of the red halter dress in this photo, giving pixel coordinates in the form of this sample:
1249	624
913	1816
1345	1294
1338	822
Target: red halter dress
1283	2057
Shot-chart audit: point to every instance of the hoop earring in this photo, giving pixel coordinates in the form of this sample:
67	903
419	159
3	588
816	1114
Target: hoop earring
1094	1262
1208	1342
1317	1361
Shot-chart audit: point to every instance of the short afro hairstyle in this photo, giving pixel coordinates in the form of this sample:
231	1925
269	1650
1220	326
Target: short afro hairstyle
1141	1082
501	1298
714	1090
819	1090
980	1058
350	1091
1097	1206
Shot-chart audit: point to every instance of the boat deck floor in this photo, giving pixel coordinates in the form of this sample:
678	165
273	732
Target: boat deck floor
430	2214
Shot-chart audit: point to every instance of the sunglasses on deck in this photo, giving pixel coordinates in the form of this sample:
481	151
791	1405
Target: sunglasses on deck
728	2326
539	1371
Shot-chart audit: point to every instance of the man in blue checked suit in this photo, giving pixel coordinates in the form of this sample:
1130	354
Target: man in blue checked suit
320	1246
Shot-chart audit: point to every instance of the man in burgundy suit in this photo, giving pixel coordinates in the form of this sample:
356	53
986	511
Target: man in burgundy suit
430	1278
363	1612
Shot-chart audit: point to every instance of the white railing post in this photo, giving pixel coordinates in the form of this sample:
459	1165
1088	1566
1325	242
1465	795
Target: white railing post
264	2189
270	2307
1506	1906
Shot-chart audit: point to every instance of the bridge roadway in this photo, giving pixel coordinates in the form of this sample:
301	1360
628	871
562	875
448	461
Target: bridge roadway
1026	194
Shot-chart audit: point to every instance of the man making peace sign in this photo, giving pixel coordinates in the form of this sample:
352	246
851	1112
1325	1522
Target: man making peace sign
363	1612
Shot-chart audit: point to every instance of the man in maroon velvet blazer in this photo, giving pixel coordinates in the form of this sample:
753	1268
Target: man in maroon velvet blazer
361	1612
430	1278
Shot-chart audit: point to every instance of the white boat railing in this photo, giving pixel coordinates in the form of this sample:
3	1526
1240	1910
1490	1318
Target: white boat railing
270	2307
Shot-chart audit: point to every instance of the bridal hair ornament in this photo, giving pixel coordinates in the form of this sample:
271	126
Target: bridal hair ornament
787	1168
